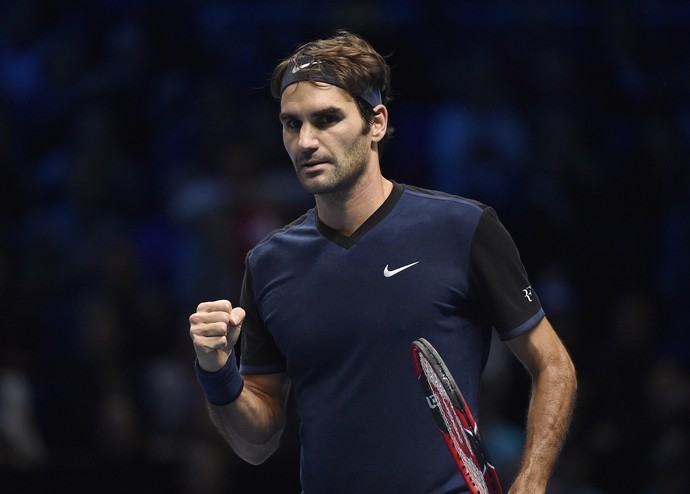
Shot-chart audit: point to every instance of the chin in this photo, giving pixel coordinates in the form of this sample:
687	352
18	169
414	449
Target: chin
327	183
315	188
317	185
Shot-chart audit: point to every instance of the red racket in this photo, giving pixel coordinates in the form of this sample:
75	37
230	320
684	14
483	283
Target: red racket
454	419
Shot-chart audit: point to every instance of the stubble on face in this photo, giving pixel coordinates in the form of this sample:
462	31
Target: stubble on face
345	170
335	154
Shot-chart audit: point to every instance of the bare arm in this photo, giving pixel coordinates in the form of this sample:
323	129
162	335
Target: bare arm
254	421
554	386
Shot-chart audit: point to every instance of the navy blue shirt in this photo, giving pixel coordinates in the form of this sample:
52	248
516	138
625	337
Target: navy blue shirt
338	315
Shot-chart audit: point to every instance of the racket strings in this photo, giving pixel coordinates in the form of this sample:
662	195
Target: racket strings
456	430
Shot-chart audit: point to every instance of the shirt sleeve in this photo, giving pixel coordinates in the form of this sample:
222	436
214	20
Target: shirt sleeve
498	280
259	352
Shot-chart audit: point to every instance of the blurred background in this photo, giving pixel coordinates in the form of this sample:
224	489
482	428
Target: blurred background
141	156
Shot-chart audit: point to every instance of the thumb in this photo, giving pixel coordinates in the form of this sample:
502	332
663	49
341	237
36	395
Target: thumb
235	325
237	315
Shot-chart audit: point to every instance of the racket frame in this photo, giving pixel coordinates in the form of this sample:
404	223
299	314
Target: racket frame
459	429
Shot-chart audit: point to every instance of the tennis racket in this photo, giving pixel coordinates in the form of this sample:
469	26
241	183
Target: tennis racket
454	419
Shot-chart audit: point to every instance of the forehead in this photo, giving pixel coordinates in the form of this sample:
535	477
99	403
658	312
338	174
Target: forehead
308	96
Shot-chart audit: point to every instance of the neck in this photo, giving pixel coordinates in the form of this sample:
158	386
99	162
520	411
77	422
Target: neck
346	211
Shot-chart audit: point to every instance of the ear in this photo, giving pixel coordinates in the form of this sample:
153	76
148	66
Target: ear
379	124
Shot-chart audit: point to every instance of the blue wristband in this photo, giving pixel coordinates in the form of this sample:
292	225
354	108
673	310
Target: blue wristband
222	387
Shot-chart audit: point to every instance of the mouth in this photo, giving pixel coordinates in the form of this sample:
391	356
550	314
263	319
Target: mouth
312	165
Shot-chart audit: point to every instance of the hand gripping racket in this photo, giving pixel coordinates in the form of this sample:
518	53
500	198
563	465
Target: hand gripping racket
454	419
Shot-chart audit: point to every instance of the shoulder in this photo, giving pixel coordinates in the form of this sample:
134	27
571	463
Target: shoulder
446	211
289	235
443	199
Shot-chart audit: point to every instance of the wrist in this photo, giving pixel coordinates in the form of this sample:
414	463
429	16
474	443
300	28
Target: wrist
212	362
223	386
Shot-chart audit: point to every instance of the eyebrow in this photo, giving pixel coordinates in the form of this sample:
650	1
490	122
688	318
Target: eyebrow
331	110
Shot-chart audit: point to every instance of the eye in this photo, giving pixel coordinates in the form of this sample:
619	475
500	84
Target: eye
326	120
291	124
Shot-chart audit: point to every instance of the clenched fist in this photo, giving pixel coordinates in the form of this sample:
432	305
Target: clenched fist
215	328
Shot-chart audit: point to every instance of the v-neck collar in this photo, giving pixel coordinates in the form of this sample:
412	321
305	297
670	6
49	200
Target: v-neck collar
371	222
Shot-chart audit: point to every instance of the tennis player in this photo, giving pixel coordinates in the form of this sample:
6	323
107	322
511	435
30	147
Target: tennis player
331	302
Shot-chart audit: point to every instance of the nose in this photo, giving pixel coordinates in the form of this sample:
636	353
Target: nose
308	137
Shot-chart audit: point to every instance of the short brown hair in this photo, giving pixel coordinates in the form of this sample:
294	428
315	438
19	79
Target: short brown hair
352	61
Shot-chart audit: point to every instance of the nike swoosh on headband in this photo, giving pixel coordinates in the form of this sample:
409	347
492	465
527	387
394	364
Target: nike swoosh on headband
309	69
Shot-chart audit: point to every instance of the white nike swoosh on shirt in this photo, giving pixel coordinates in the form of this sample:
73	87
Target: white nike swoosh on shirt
388	273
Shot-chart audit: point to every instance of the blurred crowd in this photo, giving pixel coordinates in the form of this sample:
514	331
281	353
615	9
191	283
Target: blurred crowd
140	158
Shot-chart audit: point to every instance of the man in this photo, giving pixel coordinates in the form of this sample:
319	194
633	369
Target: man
331	302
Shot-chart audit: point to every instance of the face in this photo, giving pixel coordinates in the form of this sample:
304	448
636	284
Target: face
325	136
